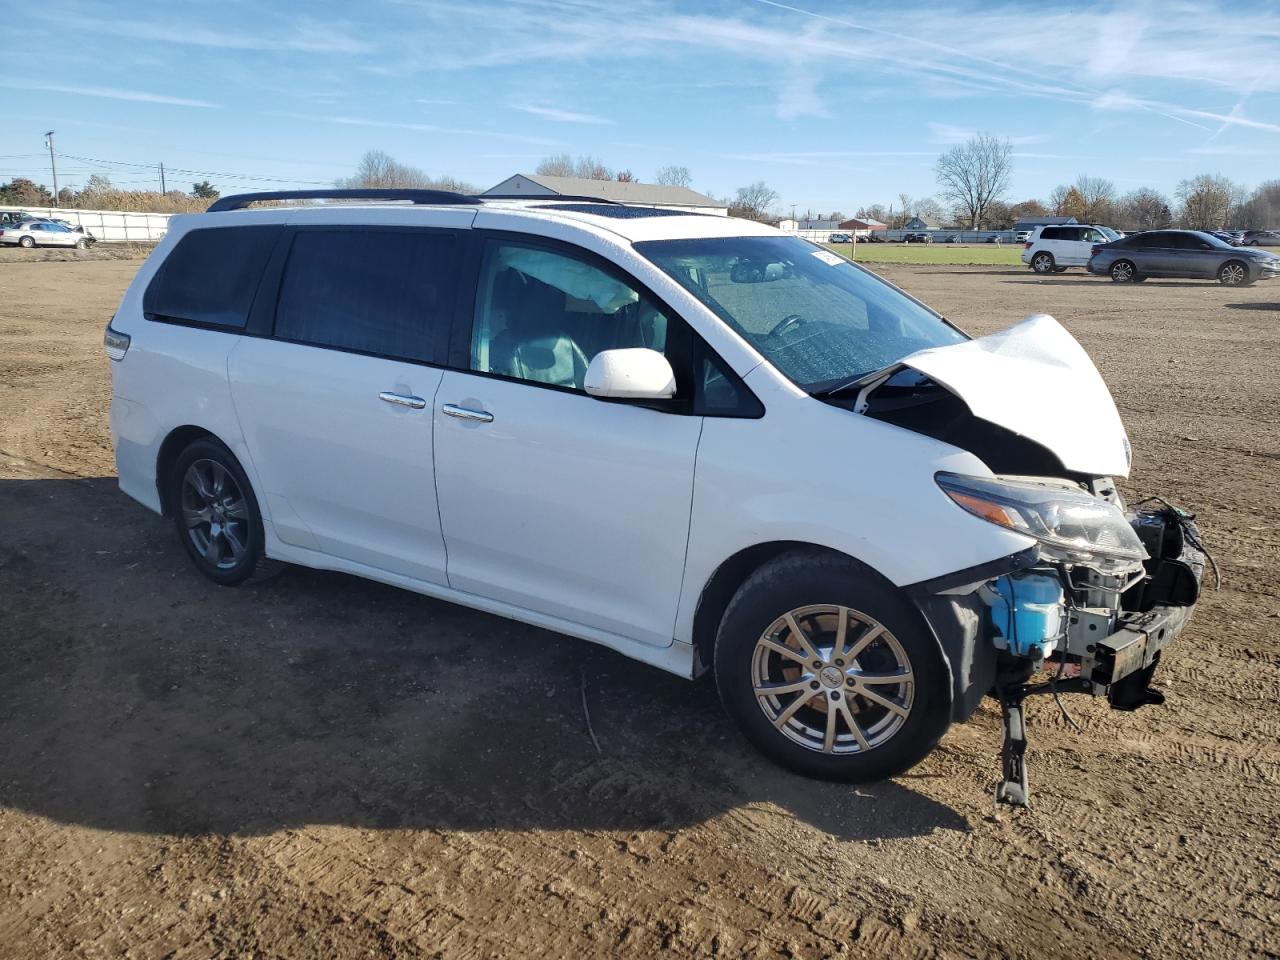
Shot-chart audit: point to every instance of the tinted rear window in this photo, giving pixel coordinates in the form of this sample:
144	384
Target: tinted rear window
385	292
211	276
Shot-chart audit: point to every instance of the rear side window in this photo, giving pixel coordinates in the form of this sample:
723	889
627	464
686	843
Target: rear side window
1051	233
211	276
384	292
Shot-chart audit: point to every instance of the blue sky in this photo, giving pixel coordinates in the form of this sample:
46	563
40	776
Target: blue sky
835	105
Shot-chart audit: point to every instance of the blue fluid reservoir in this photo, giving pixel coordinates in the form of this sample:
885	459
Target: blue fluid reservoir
1028	614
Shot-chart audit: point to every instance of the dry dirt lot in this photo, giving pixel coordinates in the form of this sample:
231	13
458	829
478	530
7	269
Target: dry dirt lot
323	767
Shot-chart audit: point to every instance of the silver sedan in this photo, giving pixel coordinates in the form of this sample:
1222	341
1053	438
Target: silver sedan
42	233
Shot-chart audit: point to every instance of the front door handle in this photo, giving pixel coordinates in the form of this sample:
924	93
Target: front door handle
465	413
400	399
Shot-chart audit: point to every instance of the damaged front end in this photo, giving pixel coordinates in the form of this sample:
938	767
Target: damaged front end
1091	608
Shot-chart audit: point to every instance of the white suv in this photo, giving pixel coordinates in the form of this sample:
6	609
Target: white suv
1053	249
694	439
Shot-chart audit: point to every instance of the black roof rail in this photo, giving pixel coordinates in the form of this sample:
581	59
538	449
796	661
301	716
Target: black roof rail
241	200
576	198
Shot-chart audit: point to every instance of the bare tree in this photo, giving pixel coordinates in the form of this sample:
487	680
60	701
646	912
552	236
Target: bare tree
1144	209
974	173
1058	199
1028	209
1206	201
1099	197
380	170
1262	210
673	176
560	165
754	202
585	167
625	176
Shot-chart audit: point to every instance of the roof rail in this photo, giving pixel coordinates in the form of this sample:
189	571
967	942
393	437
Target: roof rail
241	200
577	198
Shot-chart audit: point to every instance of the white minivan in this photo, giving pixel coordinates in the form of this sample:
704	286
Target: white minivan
694	439
1052	249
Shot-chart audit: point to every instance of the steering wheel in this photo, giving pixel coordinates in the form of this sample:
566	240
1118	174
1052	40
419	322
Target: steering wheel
786	323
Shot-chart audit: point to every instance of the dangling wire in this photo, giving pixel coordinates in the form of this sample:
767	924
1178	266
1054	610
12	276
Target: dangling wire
1183	516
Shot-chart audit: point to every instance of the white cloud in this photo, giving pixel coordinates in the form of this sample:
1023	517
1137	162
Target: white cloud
108	93
563	116
418	127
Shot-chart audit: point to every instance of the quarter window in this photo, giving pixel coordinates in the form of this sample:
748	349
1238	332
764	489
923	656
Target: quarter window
384	292
542	315
211	276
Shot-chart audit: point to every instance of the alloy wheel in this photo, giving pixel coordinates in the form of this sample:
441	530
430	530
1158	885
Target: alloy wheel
1122	272
832	679
215	514
1232	274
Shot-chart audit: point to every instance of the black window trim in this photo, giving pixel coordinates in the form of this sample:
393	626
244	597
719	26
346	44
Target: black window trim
459	356
279	260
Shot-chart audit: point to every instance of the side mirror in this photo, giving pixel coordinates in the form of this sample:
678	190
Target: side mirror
632	373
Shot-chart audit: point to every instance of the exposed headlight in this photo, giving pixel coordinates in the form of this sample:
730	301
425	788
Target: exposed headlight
1071	524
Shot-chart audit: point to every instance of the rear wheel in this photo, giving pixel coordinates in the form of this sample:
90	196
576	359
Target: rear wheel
1059	269
1233	273
27	242
215	513
829	673
1042	262
1123	271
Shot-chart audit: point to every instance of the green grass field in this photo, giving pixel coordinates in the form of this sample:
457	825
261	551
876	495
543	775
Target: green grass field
981	254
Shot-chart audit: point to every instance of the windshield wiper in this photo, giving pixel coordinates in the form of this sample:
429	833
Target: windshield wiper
857	383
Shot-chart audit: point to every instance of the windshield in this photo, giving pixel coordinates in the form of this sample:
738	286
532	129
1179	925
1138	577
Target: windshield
815	316
1210	239
1109	233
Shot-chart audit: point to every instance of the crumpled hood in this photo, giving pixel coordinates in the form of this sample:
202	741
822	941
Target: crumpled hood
1036	380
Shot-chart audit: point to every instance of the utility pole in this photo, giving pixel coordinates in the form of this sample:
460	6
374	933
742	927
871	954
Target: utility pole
162	190
53	164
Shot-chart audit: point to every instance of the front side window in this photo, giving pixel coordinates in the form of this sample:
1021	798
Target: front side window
384	292
541	315
211	276
818	318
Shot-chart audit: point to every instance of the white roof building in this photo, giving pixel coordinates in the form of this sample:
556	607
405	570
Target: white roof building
629	193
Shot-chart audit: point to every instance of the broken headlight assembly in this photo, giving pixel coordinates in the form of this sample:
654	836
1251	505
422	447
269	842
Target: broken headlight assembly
1072	525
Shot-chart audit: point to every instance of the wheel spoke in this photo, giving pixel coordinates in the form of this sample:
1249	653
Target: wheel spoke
218	476
233	541
784	650
852	722
885	702
876	679
792	708
194	518
774	689
200	484
801	638
842	630
864	641
237	509
212	551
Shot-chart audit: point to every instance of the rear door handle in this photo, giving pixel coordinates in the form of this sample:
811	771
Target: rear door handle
400	399
465	413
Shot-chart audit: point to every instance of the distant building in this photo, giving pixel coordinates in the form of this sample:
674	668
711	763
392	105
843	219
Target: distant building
819	225
790	226
632	194
922	223
863	226
1030	223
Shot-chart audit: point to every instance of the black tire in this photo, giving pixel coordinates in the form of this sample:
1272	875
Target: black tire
229	569
1059	269
27	242
1138	279
1042	262
1234	273
1123	271
82	244
803	579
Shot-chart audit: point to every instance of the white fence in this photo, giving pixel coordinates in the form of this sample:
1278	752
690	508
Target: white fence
936	236
109	226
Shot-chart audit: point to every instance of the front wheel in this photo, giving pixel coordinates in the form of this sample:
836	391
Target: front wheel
27	242
216	513
829	673
1233	274
1042	263
82	244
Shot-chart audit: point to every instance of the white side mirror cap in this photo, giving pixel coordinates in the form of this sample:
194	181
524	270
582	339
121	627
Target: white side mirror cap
632	373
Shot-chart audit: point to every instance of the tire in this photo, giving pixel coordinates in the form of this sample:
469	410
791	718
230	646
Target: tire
226	544
27	242
1042	262
809	588
1059	269
82	244
1123	271
1138	279
1233	273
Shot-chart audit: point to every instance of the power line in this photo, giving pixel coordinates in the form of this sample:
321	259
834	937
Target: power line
222	174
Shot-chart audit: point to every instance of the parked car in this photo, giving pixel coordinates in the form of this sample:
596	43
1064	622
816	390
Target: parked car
872	237
1228	236
1261	238
839	238
1053	249
580	415
1022	236
42	233
918	238
1182	253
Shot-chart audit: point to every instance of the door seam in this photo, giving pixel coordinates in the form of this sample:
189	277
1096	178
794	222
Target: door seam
435	482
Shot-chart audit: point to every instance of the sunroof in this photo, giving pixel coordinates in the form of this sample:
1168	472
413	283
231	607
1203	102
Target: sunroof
615	210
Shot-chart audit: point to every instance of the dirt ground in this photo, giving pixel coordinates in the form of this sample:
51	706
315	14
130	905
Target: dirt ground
322	767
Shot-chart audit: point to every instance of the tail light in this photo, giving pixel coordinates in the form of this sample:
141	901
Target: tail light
1093	251
115	343
1027	245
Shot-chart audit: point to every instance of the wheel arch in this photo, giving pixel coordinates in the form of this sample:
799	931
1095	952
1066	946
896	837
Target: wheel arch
177	440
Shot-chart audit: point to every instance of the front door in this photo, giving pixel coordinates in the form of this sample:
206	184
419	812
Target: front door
336	406
551	500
